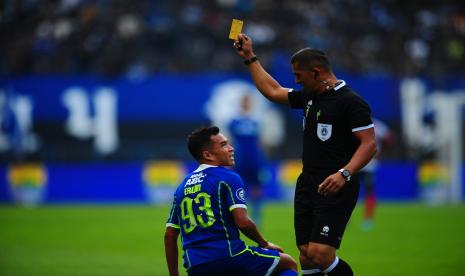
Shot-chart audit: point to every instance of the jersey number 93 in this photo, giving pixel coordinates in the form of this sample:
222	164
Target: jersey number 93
204	217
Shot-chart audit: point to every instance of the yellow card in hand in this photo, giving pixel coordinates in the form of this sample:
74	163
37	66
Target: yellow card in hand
236	28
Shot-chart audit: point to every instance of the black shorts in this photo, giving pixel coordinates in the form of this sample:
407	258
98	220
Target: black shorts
318	218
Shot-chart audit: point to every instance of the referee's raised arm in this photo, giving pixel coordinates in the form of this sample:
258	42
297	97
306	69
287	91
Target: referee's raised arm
264	82
338	140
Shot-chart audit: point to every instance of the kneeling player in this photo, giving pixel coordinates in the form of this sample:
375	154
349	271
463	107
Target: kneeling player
209	210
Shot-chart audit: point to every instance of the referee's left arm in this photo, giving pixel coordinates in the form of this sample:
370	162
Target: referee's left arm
365	151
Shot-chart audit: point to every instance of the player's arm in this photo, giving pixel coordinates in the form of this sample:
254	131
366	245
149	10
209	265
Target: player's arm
264	82
249	229
365	151
171	250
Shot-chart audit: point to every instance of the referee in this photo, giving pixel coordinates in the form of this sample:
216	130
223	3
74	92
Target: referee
338	140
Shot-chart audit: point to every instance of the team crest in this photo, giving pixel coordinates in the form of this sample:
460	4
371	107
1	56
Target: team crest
324	131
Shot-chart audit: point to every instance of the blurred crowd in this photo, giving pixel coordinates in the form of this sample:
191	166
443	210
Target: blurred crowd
136	38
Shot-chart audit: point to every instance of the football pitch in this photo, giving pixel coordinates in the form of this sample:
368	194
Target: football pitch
407	239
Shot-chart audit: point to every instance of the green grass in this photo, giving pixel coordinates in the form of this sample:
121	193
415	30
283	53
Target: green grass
408	239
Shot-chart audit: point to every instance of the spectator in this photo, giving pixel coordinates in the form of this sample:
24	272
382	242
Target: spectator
89	36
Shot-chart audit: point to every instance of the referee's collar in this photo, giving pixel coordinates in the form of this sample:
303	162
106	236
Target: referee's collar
203	167
341	84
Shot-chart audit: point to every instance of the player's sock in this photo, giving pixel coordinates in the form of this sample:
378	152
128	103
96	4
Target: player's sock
370	205
287	272
367	225
339	268
313	272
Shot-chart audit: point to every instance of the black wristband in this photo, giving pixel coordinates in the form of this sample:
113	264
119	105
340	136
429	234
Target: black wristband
251	60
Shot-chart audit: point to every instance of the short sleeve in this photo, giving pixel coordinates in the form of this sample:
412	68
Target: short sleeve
359	114
296	99
235	192
173	219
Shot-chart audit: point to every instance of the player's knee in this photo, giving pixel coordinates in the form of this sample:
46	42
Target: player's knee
319	258
305	262
287	262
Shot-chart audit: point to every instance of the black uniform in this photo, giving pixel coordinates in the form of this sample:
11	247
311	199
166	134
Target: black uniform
329	121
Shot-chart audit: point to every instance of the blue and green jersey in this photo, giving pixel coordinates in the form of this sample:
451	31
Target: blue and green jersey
201	210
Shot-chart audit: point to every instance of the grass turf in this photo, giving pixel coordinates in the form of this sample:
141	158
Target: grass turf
407	239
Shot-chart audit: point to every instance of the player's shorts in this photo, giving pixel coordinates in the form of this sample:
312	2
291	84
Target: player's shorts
319	218
253	261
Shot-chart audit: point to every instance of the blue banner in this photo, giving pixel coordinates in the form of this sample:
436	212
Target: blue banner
154	182
169	97
184	96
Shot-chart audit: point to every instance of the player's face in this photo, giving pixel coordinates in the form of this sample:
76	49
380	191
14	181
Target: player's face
222	152
304	77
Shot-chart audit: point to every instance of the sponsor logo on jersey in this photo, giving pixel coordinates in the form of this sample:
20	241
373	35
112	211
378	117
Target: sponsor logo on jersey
195	179
240	194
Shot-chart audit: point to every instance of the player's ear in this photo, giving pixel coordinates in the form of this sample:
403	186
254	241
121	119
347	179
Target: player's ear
316	73
207	155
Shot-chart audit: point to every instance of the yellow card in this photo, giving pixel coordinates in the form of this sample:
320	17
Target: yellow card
236	28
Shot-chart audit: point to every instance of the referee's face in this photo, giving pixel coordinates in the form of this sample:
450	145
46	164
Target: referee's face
304	77
221	151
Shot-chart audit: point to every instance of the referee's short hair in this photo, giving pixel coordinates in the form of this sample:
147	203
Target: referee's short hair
309	58
199	139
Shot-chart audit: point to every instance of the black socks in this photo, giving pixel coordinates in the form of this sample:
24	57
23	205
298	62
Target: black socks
340	269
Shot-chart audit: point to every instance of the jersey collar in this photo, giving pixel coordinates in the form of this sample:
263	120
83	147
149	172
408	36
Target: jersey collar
203	167
340	85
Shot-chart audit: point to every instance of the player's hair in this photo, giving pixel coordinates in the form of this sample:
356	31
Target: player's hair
309	58
199	140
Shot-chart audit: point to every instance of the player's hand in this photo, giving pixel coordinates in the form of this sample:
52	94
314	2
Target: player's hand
332	184
273	246
243	45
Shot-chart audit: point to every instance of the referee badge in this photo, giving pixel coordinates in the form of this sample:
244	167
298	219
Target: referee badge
324	131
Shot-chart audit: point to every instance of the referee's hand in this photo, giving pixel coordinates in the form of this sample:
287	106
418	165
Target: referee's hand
332	184
243	45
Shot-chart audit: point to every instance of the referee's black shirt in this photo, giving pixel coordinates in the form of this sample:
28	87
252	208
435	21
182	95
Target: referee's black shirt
329	120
